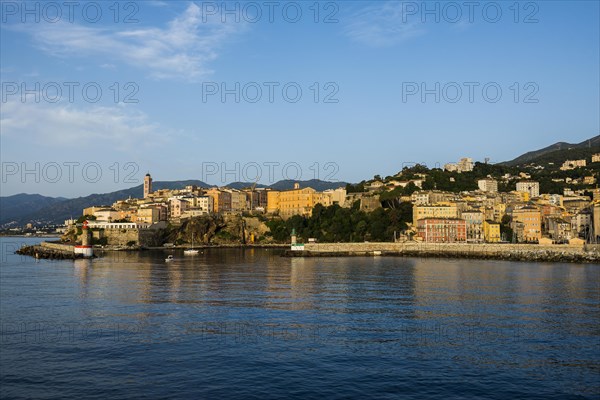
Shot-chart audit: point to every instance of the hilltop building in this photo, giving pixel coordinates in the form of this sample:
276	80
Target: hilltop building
463	165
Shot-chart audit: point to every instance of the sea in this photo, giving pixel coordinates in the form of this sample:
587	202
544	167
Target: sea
249	324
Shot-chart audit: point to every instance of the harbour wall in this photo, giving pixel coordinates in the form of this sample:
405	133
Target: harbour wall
525	252
57	246
48	250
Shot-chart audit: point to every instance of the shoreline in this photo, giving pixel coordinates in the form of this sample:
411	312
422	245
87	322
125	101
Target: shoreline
506	252
201	247
45	236
487	251
540	257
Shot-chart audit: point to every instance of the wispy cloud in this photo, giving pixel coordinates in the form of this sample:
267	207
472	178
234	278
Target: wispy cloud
182	50
66	126
382	25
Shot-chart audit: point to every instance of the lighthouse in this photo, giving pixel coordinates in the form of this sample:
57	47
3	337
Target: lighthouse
85	248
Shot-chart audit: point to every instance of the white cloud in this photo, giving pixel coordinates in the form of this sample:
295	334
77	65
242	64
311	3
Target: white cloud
66	126
182	50
382	25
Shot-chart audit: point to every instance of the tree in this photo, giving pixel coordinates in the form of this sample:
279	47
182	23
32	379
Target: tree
338	224
358	188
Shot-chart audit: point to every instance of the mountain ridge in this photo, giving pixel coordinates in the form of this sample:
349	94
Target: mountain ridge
563	147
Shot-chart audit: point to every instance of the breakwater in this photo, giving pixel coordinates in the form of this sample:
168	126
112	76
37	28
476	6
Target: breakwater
512	252
52	251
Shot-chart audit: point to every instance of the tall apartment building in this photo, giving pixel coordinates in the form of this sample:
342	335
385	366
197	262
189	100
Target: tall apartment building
257	198
531	187
221	199
596	222
177	207
488	185
474	224
238	200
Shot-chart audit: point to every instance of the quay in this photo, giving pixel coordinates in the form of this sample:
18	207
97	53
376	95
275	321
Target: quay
496	251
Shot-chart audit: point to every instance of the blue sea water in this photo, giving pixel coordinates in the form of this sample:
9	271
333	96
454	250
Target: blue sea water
234	323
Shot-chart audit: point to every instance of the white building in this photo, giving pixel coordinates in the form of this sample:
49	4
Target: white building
205	203
106	215
474	220
487	185
531	187
177	207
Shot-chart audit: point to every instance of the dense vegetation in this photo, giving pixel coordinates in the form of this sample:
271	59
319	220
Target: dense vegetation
467	181
337	224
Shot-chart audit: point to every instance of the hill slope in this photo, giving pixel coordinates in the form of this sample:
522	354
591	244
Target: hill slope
19	205
558	152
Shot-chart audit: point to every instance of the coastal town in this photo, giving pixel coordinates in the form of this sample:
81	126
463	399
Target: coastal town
486	214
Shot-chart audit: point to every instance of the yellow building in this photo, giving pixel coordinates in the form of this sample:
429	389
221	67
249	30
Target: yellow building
491	231
522	196
272	201
530	219
440	210
300	201
128	214
148	215
94	209
499	211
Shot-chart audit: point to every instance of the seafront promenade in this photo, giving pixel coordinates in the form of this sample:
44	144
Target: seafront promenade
493	251
515	252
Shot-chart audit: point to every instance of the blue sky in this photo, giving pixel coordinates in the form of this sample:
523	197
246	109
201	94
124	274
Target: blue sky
369	60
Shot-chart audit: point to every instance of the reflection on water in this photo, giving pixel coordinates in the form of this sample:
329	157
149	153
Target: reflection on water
247	322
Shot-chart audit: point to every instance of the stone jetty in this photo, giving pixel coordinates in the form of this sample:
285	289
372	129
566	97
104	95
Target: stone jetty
511	252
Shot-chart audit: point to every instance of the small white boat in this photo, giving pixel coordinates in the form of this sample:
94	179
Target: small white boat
191	251
169	258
